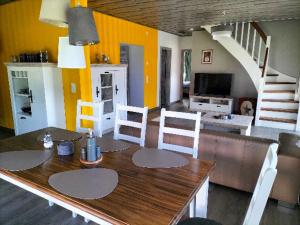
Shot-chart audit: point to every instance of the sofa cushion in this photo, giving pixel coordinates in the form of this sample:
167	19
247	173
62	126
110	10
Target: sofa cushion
289	144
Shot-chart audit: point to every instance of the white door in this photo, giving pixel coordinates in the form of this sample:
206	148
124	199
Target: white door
37	99
120	89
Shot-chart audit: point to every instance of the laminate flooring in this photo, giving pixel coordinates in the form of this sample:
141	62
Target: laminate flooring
226	205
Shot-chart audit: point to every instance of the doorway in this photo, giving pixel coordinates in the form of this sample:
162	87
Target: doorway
133	56
186	59
165	74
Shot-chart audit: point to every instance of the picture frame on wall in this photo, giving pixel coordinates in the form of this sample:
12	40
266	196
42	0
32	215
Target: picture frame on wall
207	56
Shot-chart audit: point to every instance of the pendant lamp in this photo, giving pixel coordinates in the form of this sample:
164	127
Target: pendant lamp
221	31
70	56
82	27
54	12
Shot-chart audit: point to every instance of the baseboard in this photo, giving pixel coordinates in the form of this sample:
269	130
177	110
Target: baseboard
7	130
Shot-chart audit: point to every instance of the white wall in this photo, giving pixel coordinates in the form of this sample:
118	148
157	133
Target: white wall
222	62
285	45
170	41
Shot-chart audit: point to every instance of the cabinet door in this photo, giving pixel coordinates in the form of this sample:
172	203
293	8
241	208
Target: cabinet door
120	90
120	87
37	99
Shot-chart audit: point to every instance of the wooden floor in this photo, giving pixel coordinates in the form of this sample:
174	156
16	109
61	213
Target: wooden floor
19	207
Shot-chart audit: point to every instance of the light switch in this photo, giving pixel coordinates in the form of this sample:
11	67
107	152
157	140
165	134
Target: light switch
73	88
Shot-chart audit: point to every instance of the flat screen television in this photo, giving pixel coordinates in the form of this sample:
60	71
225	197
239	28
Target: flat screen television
212	84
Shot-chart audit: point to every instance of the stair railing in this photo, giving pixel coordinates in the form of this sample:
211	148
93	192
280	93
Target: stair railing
253	39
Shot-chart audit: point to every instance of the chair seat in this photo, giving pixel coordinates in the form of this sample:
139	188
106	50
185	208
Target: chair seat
198	221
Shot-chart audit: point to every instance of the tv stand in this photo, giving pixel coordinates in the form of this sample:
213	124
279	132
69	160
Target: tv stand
215	104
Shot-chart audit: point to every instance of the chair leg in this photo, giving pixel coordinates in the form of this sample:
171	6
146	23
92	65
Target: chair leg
50	203
86	220
74	215
192	208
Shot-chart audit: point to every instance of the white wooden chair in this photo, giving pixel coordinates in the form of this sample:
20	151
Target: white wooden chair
263	187
181	132
120	119
260	195
96	118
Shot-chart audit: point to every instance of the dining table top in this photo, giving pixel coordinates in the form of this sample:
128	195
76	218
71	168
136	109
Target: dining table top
142	196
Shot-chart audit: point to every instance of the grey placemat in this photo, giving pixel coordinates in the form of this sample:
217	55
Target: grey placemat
108	144
85	183
154	158
23	160
58	136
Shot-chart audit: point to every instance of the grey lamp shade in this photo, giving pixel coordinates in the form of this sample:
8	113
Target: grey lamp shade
82	27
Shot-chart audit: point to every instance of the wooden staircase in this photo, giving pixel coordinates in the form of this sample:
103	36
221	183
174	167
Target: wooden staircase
277	101
278	108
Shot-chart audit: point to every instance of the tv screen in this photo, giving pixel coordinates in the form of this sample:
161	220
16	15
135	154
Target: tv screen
212	84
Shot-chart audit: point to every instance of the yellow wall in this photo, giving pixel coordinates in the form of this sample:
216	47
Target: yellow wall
20	31
113	32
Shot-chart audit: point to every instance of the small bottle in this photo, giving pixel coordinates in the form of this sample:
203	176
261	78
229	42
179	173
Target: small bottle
91	146
48	142
98	152
83	153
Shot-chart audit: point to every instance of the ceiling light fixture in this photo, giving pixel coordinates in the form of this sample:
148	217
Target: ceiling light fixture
70	56
221	31
54	12
82	27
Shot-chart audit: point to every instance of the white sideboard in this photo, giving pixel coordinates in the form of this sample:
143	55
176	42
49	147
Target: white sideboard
109	84
215	104
36	93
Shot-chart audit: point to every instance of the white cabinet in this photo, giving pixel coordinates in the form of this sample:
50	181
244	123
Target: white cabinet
109	84
37	98
215	104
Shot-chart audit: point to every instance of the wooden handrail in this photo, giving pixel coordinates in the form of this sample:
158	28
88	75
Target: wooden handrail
265	62
260	31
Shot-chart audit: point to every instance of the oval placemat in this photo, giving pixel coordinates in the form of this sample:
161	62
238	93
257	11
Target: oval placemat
108	144
154	158
85	183
58	136
23	160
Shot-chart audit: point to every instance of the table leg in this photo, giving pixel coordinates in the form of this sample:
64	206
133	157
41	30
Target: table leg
247	131
192	208
202	200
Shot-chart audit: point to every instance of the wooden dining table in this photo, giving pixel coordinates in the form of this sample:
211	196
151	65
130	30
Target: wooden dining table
142	196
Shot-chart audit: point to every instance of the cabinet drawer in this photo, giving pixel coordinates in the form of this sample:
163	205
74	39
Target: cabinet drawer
220	108
108	121
199	106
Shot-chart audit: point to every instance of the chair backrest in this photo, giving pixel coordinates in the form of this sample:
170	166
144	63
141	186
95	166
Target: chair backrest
96	118
181	132
120	120
263	187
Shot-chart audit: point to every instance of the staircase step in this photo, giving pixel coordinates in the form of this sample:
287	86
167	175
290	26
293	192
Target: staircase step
280	120
271	83
279	91
280	110
280	100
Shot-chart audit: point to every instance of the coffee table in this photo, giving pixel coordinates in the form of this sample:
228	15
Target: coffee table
240	122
